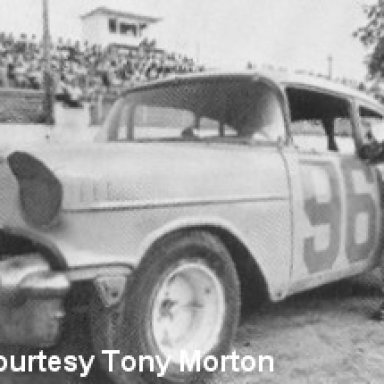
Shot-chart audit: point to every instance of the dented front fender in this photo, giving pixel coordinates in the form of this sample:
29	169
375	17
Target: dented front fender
31	301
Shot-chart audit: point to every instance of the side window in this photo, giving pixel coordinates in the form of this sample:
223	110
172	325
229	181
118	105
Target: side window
213	128
223	111
154	122
371	124
320	122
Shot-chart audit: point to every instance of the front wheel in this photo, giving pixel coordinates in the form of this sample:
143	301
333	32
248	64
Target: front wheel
182	305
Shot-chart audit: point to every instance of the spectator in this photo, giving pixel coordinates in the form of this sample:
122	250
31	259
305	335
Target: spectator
20	73
61	89
3	73
84	67
74	94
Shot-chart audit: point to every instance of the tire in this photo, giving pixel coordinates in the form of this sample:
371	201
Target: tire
186	278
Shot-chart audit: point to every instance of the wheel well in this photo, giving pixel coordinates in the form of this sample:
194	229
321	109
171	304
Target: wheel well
252	282
253	286
17	242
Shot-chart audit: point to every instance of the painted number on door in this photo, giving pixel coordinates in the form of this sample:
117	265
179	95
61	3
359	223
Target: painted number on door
323	198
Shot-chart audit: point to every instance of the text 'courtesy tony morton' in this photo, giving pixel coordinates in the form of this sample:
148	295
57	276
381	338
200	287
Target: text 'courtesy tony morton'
187	362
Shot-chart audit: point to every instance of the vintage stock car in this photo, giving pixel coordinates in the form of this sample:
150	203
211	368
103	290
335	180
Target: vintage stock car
200	194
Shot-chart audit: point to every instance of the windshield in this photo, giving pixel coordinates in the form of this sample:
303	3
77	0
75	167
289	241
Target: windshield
210	110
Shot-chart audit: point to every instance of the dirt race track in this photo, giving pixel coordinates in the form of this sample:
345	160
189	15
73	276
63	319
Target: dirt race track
323	336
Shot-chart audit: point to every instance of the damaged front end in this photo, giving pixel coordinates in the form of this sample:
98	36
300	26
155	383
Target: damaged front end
37	284
32	286
31	301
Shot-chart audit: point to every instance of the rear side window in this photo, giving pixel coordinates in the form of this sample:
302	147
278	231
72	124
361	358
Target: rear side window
320	122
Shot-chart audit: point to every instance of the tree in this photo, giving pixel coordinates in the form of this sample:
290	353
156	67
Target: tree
372	36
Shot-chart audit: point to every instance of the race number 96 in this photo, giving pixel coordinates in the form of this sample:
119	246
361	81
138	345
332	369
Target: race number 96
323	208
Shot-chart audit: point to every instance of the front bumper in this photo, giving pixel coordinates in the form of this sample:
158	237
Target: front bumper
31	301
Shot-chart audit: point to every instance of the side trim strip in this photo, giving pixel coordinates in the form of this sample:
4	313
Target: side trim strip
169	203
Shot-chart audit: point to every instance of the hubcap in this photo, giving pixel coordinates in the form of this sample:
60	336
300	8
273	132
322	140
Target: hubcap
188	311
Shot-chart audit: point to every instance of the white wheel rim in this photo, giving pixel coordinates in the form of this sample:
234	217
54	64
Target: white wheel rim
188	311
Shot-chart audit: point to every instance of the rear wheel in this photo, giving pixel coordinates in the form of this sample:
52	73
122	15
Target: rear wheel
183	302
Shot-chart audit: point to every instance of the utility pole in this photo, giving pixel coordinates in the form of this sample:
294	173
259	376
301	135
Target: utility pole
330	67
48	102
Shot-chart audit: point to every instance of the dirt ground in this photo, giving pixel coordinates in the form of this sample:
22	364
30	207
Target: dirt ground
320	337
323	336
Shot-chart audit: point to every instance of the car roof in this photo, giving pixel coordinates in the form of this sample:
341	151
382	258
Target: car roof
280	78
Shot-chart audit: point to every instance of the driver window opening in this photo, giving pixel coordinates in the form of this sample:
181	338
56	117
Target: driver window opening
320	122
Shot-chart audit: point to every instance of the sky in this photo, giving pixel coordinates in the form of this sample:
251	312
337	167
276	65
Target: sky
296	34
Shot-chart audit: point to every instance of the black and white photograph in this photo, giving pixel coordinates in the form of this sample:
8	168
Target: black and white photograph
192	192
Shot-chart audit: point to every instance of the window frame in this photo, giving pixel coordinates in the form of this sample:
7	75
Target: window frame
351	105
274	87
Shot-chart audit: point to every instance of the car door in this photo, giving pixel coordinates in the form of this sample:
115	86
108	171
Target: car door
335	195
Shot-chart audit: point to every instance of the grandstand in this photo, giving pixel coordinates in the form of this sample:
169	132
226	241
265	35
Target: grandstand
115	55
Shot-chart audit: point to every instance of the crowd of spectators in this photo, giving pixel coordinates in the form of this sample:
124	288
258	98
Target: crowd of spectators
82	69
